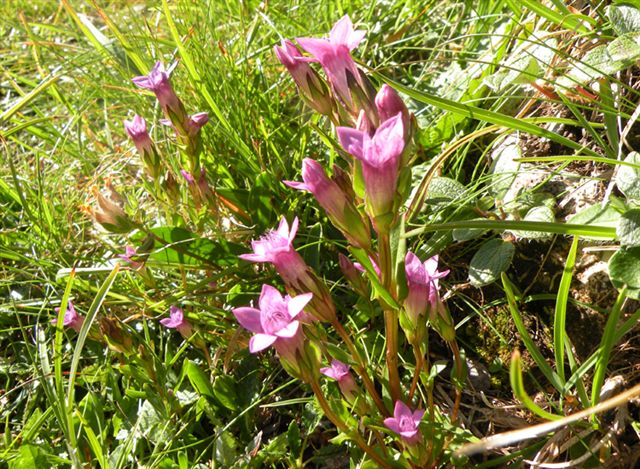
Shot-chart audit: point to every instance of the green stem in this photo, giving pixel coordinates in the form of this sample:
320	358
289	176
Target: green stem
343	427
390	316
361	368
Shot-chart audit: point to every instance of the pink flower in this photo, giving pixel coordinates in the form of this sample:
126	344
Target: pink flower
277	248
340	209
187	177
360	268
196	122
130	252
275	322
176	320
340	372
158	81
380	156
137	130
71	318
335	55
389	104
310	85
405	422
422	280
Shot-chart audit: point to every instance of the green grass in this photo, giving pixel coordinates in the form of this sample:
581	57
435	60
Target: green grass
127	392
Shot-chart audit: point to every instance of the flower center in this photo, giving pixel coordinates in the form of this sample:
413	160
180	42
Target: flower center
407	424
275	320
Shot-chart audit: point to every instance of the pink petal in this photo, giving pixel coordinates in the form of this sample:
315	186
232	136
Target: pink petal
328	371
283	228
417	416
171	323
249	318
388	142
355	39
260	342
392	424
341	31
297	185
289	330
253	257
297	304
270	298
408	433
352	140
294	229
319	48
402	410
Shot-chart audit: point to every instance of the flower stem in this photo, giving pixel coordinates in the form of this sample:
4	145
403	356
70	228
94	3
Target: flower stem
340	425
361	368
390	316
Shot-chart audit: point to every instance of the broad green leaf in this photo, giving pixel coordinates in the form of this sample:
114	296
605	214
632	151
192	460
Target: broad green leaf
293	438
541	213
174	245
225	392
493	258
595	64
625	48
624	19
628	178
466	234
596	215
198	379
628	229
624	270
505	165
442	192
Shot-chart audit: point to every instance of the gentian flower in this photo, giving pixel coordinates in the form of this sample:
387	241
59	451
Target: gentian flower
158	81
422	280
276	247
130	252
339	208
335	55
71	318
350	272
176	320
312	88
275	323
187	177
196	122
405	422
137	130
340	372
380	156
389	104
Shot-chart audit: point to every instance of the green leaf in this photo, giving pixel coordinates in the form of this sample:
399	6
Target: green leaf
628	178
541	213
595	64
29	456
628	229
624	270
174	245
596	215
624	19
225	392
505	165
293	438
493	258
198	379
443	192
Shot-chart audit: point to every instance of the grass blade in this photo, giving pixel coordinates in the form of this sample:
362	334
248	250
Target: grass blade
560	316
526	338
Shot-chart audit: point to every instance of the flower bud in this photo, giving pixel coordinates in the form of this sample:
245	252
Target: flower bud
110	213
